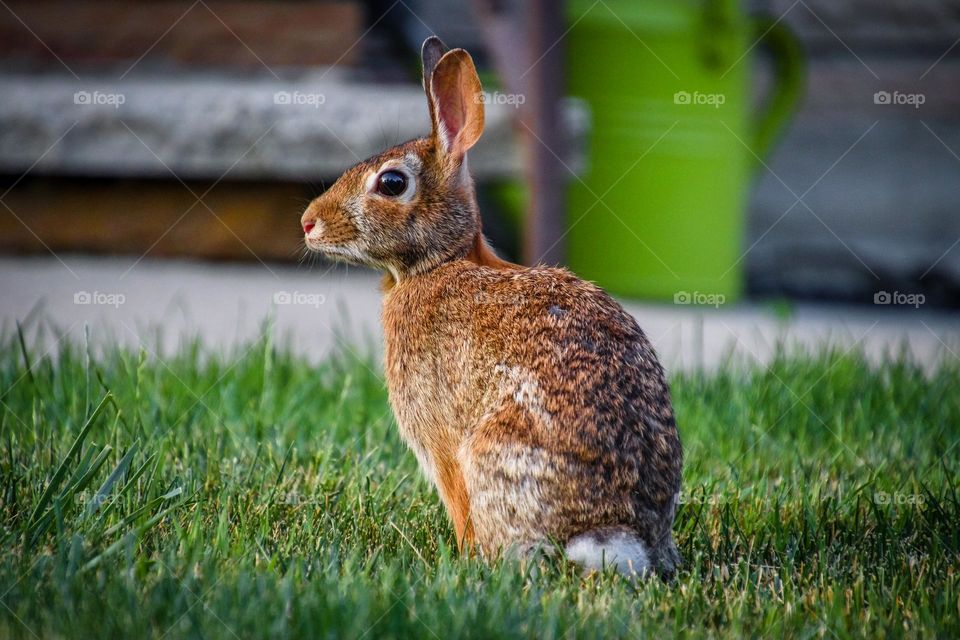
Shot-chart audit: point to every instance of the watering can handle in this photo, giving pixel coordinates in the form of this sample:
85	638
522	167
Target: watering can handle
788	77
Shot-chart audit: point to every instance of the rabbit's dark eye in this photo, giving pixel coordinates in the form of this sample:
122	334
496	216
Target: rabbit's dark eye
391	183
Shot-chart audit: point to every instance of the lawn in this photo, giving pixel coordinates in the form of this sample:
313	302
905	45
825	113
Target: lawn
252	494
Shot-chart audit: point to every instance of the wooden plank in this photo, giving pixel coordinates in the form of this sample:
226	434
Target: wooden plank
212	33
244	221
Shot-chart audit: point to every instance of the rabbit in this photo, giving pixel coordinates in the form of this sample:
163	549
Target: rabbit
531	399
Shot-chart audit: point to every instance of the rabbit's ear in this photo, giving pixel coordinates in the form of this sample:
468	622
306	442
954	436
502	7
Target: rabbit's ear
457	103
430	53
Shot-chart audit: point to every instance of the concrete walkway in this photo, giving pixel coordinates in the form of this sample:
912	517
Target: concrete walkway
318	308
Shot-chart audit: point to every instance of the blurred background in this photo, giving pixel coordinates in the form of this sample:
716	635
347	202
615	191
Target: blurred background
705	154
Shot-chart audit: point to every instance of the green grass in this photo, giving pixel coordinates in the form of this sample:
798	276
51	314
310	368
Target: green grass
253	494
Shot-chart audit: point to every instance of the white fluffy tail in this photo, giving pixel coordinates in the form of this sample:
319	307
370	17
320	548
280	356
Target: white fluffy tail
618	548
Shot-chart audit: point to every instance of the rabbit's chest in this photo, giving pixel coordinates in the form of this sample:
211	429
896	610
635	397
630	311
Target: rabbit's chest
433	376
430	384
422	378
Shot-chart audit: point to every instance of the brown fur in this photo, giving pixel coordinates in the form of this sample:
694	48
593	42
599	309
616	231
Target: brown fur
532	400
453	491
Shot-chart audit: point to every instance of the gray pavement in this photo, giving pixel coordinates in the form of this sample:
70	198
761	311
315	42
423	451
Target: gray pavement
318	308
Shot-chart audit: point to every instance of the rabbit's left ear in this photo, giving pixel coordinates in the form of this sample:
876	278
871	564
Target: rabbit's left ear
430	54
457	103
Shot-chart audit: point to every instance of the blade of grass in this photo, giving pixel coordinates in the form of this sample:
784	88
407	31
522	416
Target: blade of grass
26	354
127	487
68	494
62	469
104	489
146	526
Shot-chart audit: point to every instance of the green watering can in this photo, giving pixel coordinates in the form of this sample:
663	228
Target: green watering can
659	212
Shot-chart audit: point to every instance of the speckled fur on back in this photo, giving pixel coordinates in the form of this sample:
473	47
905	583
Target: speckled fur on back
531	399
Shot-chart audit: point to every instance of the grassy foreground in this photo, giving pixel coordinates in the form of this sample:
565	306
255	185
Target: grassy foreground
253	495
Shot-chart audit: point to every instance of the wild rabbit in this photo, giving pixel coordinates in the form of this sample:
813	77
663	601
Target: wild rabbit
532	400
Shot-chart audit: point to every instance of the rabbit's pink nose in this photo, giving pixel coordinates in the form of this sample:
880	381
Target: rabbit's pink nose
308	226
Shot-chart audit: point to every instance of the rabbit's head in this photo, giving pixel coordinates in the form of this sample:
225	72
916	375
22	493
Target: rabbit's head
412	207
